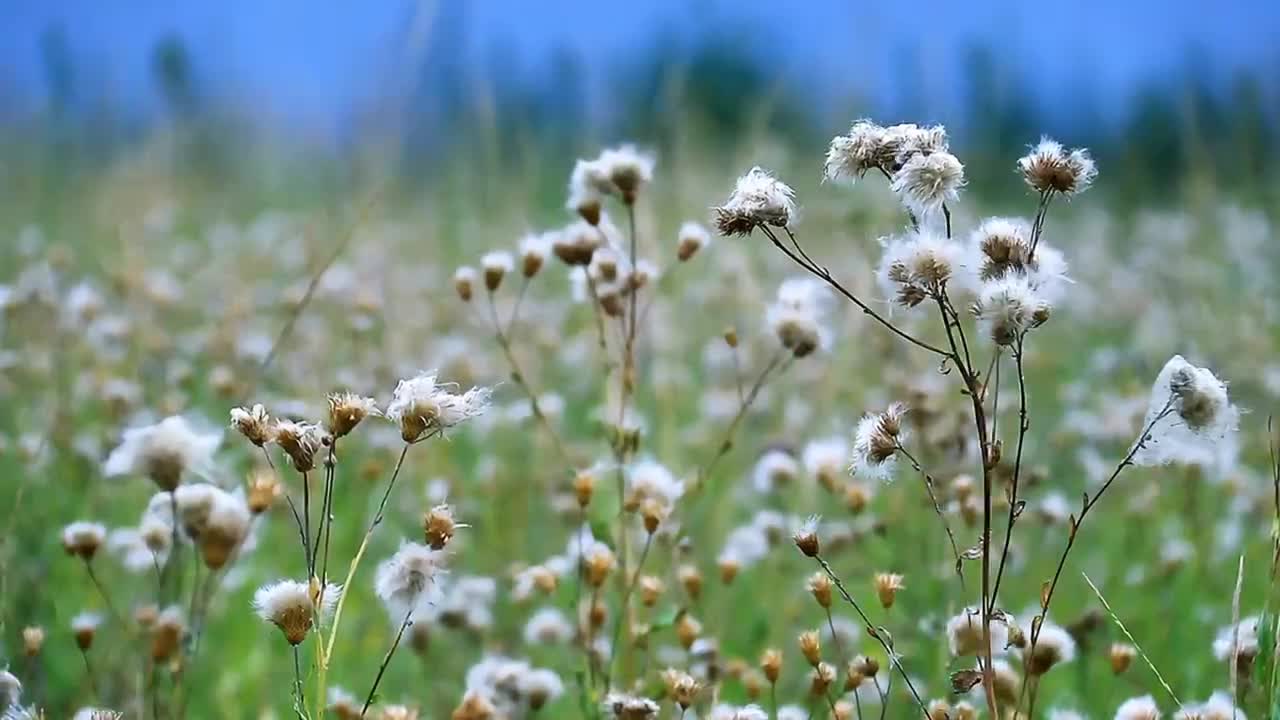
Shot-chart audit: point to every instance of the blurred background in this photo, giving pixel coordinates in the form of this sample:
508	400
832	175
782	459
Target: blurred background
1171	96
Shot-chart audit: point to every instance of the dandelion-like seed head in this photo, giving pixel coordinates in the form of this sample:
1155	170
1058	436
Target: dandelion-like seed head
927	182
876	441
225	528
577	243
1138	708
621	706
255	424
439	526
806	537
628	170
163	451
691	238
1190	415
1049	167
758	199
347	410
407	581
887	586
288	605
850	156
1054	646
464	282
495	266
300	442
534	249
964	633
82	539
422	404
84	626
681	687
1008	308
263	489
918	266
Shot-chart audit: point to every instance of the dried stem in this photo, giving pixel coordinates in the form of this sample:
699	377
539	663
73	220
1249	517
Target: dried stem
623	617
825	275
106	598
726	444
1014	509
937	509
873	632
386	660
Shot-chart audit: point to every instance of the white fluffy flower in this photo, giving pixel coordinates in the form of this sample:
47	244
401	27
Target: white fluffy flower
926	182
1196	417
730	712
548	626
1241	637
648	479
875	443
850	156
408	579
775	470
1008	308
917	266
422	404
1139	708
826	458
163	452
288	605
796	317
1049	167
758	199
964	633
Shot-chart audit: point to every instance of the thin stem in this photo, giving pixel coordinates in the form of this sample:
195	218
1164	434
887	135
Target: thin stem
326	520
297	519
884	697
857	703
386	661
622	612
300	698
873	632
517	375
937	509
835	638
946	213
306	524
825	275
1076	522
93	681
515	310
106	598
355	561
1037	225
726	443
1014	510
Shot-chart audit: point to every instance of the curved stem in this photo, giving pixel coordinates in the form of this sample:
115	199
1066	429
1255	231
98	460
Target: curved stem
386	661
937	509
1014	510
873	632
622	612
825	275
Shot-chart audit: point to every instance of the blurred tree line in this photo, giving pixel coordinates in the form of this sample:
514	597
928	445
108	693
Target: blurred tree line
716	90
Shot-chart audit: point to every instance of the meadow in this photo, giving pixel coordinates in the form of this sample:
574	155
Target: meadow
652	435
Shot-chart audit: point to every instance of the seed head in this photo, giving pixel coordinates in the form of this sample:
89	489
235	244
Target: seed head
82	539
771	664
887	587
925	183
691	238
1049	167
1121	657
820	587
421	404
84	627
32	640
806	537
820	680
758	199
464	282
300	441
347	410
166	634
810	647
439	526
876	441
255	424
263	489
534	249
288	605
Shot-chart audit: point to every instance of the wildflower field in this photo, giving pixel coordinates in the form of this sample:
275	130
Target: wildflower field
656	434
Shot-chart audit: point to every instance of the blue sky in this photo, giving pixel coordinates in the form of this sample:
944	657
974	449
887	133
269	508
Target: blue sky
312	63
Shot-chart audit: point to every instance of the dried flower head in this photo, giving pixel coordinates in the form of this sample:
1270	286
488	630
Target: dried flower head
424	405
876	441
1049	168
1054	646
534	249
347	410
806	537
887	586
819	585
84	627
1139	708
1121	655
1196	417
407	581
627	169
797	316
82	539
619	706
288	605
300	442
691	238
577	243
681	687
758	199
439	526
1008	308
964	633
166	633
225	529
495	266
32	640
163	452
850	156
925	183
771	664
464	282
918	266
810	647
254	423
263	489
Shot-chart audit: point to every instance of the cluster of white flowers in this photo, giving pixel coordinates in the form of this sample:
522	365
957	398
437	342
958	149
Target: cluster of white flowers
514	688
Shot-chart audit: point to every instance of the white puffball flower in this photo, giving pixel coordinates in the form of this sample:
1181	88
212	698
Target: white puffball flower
1190	415
927	182
758	199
